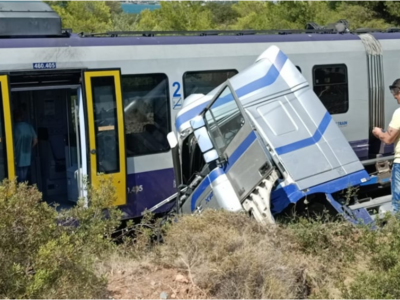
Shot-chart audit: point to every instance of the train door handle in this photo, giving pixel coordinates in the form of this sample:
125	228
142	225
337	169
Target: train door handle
93	151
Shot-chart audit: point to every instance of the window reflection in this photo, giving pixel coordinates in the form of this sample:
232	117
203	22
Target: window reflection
203	82
331	86
146	112
106	125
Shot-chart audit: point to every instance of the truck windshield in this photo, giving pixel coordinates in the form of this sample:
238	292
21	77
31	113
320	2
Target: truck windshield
224	120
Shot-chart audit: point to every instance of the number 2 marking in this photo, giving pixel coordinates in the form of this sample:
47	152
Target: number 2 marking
178	87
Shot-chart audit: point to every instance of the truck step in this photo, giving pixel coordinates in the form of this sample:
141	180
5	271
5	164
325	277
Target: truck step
376	202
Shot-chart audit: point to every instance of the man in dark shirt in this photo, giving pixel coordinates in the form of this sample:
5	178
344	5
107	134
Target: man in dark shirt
24	140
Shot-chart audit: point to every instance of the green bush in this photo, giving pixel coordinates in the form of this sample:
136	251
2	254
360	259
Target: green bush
138	239
329	240
380	278
45	254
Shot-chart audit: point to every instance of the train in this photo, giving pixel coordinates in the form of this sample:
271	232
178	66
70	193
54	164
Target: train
103	104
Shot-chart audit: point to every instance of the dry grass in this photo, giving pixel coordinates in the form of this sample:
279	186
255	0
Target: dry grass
231	256
226	255
142	279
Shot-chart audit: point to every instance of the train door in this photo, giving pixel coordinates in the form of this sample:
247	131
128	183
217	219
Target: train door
106	139
51	111
7	168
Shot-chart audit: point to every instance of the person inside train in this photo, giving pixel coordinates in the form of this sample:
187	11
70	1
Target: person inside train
391	136
24	140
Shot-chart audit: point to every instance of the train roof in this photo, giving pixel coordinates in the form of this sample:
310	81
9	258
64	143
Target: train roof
76	40
386	35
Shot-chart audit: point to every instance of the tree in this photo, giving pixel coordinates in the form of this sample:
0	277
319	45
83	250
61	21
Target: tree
84	16
100	16
124	22
270	15
389	11
253	15
360	16
295	15
115	7
223	16
178	16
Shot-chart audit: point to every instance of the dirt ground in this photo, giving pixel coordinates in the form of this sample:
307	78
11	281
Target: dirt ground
151	282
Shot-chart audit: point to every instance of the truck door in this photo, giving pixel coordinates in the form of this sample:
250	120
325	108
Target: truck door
7	166
105	119
246	161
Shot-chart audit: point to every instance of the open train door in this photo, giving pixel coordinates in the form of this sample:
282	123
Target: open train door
7	164
105	125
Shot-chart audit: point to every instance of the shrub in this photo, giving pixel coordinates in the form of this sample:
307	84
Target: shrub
232	256
140	237
381	276
229	255
332	241
45	254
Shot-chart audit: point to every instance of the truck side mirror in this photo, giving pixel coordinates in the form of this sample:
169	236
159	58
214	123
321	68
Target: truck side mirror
172	141
203	139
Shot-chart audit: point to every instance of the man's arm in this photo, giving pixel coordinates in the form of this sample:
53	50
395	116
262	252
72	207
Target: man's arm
35	139
387	137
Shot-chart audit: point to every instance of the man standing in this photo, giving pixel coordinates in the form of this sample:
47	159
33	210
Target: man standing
392	136
24	140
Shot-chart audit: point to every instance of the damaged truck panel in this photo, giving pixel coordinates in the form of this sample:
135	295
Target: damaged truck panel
261	141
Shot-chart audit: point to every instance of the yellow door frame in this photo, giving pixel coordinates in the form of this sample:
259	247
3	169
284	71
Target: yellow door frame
8	139
119	178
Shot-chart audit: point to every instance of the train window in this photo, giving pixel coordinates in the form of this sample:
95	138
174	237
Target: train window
146	110
224	120
331	86
106	124
203	82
